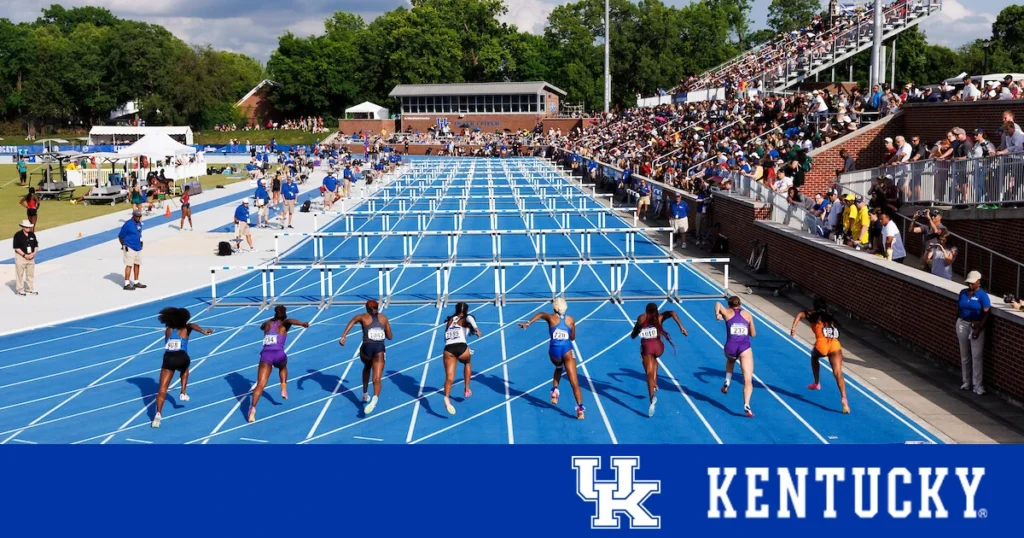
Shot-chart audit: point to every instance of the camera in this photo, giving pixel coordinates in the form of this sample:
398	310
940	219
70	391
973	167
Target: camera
1009	298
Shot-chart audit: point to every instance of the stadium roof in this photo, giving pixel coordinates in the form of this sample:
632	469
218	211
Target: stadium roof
482	88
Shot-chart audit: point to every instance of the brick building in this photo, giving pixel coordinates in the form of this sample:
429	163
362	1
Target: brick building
256	105
491	106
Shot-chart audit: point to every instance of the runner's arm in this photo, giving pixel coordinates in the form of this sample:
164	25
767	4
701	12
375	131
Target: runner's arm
796	321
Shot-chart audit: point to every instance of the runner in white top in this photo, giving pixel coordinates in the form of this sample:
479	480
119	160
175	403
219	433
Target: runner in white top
456	329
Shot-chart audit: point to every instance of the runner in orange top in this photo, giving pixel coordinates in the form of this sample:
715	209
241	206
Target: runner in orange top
826	344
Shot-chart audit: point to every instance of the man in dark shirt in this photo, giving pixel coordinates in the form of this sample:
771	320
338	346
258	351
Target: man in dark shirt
25	248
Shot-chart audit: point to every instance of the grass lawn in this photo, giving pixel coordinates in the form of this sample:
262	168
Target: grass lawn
284	138
53	213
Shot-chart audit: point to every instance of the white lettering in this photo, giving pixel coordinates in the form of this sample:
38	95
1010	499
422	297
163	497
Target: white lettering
720	493
905	511
792	494
754	493
830	475
930	493
858	491
970	489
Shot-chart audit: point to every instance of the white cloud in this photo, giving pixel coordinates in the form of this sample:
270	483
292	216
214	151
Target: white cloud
528	15
956	25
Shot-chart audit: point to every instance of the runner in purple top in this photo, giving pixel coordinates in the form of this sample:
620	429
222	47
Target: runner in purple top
275	335
739	327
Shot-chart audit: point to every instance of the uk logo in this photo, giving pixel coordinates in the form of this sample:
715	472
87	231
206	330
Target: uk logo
442	123
613	499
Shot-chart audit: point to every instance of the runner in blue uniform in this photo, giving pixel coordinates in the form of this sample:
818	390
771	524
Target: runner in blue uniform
376	328
176	357
562	329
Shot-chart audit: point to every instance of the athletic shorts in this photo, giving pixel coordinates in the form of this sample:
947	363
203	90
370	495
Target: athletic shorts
680	225
370	350
558	349
176	361
652	346
289	207
645	200
274	357
456	349
243	229
32	212
734	349
132	257
826	347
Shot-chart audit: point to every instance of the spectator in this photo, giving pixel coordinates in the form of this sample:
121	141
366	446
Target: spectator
22	171
860	223
971	324
26	246
891	240
940	256
932	228
1012	140
848	163
131	243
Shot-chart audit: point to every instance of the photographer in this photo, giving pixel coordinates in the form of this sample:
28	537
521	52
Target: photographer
941	257
932	228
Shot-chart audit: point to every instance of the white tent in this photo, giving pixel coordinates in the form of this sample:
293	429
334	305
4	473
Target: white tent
366	111
157	146
111	134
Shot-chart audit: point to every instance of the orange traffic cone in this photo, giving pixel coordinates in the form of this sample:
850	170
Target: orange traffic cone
167	213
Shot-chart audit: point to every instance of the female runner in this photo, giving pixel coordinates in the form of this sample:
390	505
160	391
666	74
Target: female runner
562	329
31	204
186	209
457	327
176	358
826	344
275	335
739	328
649	328
376	328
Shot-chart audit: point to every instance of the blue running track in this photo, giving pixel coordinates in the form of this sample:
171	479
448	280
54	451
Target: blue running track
95	380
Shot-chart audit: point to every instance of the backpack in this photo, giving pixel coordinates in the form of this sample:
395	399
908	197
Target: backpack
305	206
224	248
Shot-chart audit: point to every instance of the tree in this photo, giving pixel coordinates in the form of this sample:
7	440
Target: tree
1008	29
790	15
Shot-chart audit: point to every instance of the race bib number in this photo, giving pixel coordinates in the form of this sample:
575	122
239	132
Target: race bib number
648	333
738	330
376	334
560	334
270	340
830	332
173	345
454	333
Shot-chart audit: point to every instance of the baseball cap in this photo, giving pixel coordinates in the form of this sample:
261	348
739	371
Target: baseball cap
850	196
137	213
979	132
245	201
972	277
859	199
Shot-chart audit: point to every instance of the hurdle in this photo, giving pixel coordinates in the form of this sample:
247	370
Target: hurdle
424	215
553	271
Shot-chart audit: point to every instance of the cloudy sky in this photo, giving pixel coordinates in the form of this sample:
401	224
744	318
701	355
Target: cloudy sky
252	26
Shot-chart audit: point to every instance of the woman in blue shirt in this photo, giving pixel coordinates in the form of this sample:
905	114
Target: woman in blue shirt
176	336
972	320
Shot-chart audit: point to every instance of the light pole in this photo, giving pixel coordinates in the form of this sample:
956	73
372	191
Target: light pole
607	69
876	47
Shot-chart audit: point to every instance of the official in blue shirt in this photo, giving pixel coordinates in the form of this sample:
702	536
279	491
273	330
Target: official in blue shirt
290	191
972	319
262	204
679	221
330	190
131	243
242	223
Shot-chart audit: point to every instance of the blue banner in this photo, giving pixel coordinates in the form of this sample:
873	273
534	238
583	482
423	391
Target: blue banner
219	148
525	490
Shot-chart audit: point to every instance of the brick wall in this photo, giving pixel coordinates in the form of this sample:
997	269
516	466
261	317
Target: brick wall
486	122
374	127
867	147
258	109
931	121
924	314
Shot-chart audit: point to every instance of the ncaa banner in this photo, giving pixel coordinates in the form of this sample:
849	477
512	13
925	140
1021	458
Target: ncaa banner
469	490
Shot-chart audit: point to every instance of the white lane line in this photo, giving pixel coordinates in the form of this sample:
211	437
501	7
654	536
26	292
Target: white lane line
367	438
251	440
130	440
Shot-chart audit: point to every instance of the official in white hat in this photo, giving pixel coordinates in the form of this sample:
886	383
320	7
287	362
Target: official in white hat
971	326
25	249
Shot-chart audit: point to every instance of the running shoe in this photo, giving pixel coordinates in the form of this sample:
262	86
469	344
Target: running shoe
725	388
814	386
370	406
467	394
554	396
183	397
846	407
156	420
366	397
746	409
252	414
140	286
580	410
650	409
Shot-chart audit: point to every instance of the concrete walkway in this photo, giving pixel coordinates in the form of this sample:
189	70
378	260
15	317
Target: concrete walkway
919	387
82	277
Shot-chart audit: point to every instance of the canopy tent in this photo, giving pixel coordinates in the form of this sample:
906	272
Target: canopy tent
112	134
158	146
366	111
